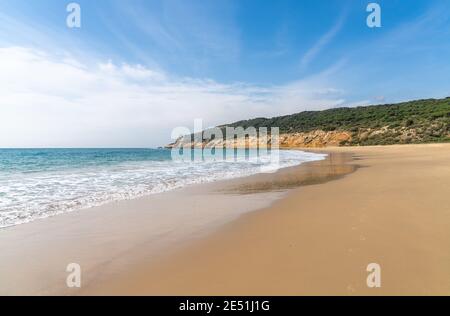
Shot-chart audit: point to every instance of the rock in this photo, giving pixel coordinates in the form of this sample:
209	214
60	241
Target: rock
313	139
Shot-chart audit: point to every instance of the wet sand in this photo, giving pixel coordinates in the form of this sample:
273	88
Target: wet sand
318	240
114	239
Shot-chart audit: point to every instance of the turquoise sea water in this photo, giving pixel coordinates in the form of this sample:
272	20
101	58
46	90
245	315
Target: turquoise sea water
37	183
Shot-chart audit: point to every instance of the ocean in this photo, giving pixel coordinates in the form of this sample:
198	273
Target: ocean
38	183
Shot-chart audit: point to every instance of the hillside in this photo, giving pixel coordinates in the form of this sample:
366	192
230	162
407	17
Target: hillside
413	122
420	121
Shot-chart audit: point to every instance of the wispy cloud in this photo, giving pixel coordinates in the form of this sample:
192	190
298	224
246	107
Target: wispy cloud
403	59
323	41
188	33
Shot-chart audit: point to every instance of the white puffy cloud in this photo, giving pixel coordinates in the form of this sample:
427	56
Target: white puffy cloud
48	101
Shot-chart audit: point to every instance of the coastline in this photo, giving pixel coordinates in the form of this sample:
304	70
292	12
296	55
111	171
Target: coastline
319	239
109	239
293	232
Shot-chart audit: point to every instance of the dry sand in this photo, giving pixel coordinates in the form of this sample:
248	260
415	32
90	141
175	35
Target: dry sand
394	211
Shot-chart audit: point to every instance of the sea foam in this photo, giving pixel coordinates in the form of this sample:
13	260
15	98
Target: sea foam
36	184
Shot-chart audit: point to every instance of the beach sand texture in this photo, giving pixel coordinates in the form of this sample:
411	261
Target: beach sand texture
394	211
305	230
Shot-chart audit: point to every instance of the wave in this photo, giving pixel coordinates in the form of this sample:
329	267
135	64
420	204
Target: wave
73	181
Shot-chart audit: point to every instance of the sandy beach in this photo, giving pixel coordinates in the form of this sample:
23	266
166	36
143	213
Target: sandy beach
109	240
394	211
305	230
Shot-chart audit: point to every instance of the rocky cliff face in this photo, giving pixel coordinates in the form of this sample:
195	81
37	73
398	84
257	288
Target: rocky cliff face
314	139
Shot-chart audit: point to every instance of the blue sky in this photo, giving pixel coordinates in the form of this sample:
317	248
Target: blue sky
169	62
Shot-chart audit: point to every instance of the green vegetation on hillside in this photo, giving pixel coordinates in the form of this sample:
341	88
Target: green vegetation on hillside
420	121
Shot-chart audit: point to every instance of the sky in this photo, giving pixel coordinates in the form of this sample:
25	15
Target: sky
135	70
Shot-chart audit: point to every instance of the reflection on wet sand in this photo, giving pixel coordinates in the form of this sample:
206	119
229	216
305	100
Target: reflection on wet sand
336	165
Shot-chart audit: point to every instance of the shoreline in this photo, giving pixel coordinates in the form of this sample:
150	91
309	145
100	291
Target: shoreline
82	204
319	239
109	239
293	232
